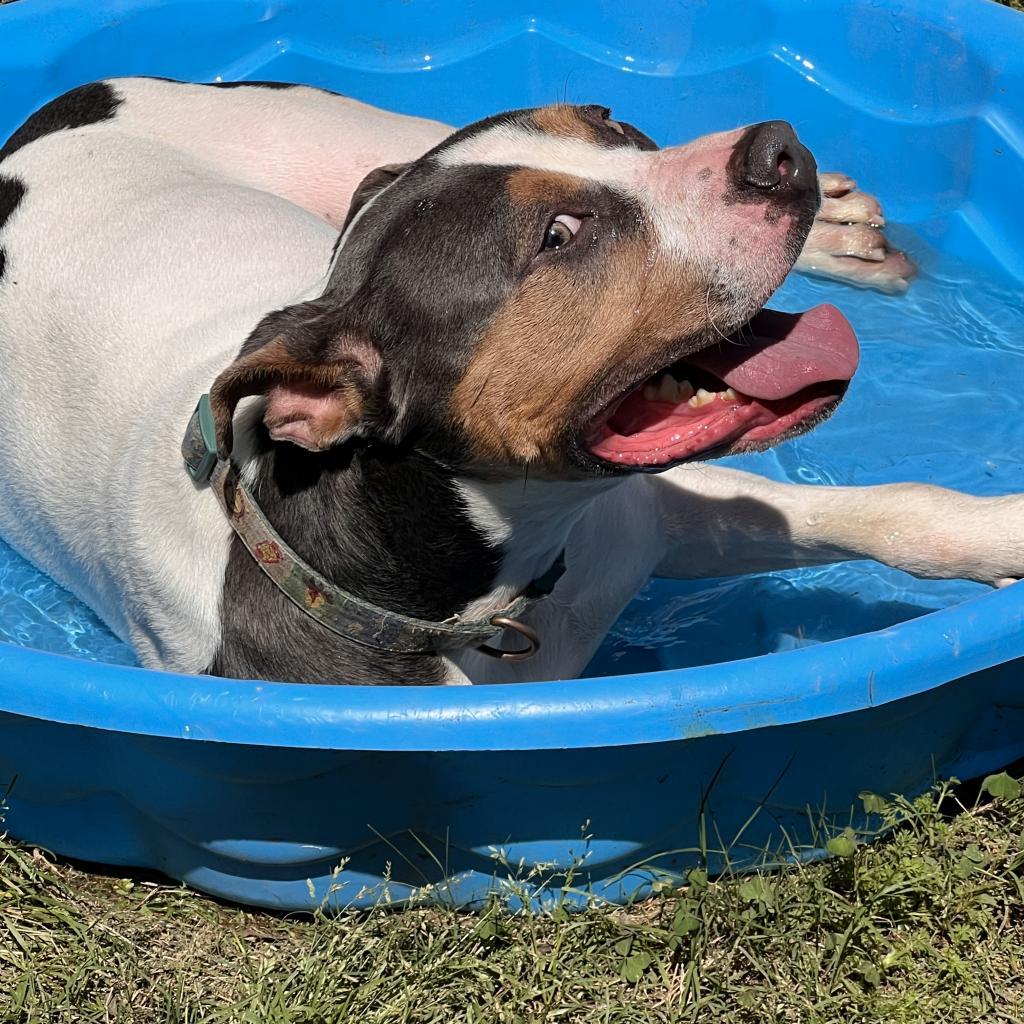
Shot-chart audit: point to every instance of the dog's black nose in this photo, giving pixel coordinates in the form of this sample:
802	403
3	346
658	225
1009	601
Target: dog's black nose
775	160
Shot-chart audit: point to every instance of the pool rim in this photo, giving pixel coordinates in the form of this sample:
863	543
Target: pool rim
832	678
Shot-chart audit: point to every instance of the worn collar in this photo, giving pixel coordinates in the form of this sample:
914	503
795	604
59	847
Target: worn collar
334	608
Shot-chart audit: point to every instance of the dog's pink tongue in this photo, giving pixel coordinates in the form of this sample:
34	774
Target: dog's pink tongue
778	354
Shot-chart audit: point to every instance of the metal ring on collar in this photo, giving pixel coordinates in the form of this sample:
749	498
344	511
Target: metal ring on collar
531	638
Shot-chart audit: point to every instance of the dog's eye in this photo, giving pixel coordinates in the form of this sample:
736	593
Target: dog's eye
561	231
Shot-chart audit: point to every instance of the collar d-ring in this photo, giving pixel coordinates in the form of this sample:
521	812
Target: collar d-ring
531	638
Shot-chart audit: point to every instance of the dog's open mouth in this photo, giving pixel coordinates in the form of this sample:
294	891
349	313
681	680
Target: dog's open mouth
780	373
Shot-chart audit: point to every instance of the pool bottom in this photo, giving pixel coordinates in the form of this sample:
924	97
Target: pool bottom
670	624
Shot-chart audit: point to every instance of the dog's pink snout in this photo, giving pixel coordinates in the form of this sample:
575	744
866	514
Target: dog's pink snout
770	159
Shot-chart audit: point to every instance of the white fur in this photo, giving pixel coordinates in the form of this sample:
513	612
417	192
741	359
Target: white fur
531	520
147	248
509	145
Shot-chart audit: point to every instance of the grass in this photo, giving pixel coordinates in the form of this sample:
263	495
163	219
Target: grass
926	926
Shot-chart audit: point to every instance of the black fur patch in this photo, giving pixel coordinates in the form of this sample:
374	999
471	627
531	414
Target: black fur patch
254	85
88	104
384	524
12	191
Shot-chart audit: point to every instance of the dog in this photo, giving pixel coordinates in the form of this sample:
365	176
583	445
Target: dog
462	385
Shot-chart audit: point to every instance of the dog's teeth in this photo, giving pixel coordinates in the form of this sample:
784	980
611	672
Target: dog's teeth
668	389
728	395
701	398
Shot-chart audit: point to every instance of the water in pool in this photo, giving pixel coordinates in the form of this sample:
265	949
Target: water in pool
938	399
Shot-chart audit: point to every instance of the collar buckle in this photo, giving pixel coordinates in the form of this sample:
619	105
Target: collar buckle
199	447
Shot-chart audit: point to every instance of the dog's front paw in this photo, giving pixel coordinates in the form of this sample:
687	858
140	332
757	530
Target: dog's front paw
996	533
846	242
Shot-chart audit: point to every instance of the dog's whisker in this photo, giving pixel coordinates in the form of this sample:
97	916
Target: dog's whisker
711	319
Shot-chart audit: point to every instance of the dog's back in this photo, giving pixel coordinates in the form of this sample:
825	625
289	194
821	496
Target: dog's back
134	266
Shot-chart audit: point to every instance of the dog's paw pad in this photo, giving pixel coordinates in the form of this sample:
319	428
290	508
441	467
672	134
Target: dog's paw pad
890	274
860	240
852	208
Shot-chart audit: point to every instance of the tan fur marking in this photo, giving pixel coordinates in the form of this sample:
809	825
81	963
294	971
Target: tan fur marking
528	187
557	340
564	120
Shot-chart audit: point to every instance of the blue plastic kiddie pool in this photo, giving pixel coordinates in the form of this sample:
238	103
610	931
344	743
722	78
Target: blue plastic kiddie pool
725	722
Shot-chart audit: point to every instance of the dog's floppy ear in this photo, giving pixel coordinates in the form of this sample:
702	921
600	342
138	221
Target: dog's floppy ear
372	185
322	381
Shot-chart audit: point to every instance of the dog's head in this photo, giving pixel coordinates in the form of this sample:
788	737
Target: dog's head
549	288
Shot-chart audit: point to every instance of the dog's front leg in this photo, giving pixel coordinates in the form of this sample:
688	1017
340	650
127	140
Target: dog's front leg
723	522
610	554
